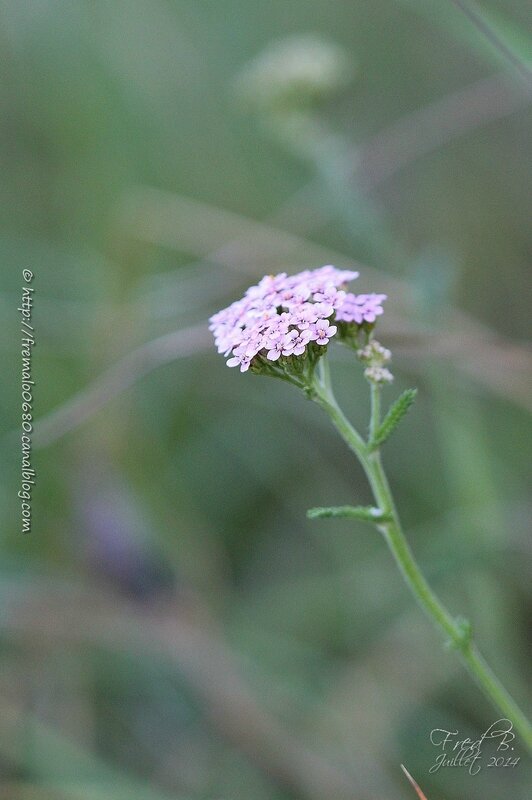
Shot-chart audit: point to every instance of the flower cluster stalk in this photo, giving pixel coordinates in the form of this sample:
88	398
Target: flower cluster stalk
281	328
457	631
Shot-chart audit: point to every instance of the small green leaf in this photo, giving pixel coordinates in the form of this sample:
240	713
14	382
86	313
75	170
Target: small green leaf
363	513
392	419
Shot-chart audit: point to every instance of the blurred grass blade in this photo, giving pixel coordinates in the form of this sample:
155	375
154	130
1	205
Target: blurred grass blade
497	37
56	759
515	37
491	34
414	784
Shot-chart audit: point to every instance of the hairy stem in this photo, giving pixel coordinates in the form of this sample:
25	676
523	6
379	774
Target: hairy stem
457	631
375	418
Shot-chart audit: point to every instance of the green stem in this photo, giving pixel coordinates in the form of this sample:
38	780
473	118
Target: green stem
325	398
375	418
458	633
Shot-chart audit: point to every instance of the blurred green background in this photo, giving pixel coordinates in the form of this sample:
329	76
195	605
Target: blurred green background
173	626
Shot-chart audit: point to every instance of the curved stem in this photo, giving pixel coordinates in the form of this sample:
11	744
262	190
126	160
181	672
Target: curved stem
323	395
458	632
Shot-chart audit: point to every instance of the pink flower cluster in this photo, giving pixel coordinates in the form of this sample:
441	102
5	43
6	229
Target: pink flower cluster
285	313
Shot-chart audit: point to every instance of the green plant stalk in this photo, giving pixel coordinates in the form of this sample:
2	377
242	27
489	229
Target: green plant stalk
457	631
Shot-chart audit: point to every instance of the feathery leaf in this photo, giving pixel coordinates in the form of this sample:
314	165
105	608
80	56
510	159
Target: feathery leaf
395	414
363	513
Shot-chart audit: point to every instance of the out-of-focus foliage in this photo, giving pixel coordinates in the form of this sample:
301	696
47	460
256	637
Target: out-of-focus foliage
174	626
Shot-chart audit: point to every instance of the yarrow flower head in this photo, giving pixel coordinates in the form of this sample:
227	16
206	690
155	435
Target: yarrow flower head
286	320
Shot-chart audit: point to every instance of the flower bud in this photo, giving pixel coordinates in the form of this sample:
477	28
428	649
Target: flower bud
294	74
378	375
374	354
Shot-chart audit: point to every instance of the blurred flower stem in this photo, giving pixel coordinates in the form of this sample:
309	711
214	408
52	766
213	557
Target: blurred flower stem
457	630
289	85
